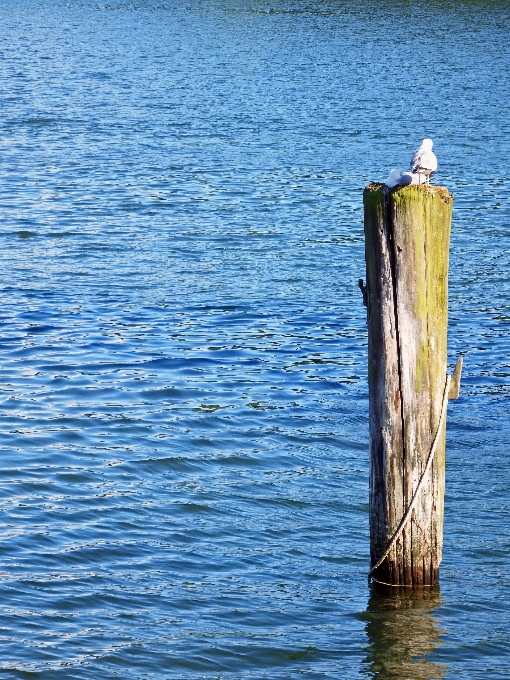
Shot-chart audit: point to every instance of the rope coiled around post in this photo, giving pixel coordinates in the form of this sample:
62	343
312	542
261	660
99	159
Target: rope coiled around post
405	518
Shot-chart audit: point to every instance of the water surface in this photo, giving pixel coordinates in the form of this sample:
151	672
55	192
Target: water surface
184	433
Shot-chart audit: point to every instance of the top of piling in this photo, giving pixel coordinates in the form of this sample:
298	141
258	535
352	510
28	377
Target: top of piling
430	189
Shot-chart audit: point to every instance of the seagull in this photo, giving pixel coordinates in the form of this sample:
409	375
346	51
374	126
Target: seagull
393	178
424	161
404	178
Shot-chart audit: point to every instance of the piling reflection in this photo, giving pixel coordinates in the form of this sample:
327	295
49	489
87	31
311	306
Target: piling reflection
402	631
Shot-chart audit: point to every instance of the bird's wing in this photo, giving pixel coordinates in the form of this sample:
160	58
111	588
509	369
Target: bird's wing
416	159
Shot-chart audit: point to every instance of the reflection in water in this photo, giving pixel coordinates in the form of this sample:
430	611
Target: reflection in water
401	631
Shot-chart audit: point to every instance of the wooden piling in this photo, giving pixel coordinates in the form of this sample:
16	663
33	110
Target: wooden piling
407	238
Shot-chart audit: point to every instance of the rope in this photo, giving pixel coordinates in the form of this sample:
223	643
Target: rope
410	509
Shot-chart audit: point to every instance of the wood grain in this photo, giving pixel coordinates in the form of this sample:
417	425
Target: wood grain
407	233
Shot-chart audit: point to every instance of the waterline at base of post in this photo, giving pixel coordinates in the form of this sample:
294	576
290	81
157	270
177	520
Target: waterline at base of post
372	579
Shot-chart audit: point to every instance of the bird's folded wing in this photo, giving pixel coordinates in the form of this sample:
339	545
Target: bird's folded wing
416	159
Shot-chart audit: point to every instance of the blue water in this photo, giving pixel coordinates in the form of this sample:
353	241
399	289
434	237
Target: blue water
184	421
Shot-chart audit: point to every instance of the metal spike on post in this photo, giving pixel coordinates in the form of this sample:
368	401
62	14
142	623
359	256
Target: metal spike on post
407	238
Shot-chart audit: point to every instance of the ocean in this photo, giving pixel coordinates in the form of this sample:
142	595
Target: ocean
183	346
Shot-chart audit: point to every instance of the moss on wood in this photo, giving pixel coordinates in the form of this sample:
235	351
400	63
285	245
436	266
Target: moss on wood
407	233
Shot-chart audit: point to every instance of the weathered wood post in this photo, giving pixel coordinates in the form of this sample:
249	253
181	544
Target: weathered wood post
407	239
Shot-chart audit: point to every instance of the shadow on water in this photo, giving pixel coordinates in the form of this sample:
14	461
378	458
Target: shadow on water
402	632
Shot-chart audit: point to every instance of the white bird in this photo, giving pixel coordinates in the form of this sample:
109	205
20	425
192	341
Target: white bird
396	177
424	161
393	178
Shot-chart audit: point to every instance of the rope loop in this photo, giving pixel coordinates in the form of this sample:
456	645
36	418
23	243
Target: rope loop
405	518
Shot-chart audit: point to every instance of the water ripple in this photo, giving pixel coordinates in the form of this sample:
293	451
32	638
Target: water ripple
183	377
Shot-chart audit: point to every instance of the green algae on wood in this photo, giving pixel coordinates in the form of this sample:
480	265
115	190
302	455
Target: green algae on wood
407	236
